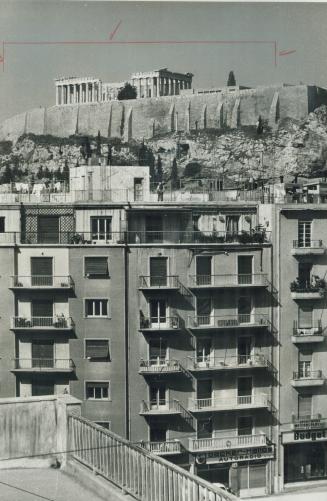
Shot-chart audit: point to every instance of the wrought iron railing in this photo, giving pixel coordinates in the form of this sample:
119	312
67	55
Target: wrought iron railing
55	322
238	361
160	323
168	281
62	282
44	363
255	279
307	244
307	374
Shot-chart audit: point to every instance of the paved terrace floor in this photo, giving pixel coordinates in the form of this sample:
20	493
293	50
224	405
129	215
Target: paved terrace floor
45	485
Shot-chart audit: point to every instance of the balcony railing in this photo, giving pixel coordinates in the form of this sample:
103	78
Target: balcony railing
307	332
44	364
159	366
307	244
228	321
312	288
163	282
56	322
255	280
162	448
42	281
229	442
309	422
197	237
307	374
164	323
71	237
221	404
234	362
160	407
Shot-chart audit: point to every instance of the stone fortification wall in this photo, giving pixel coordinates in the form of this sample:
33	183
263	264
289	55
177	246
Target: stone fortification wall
144	118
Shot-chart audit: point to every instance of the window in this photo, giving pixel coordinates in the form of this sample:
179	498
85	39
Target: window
158	308
203	350
158	434
157	351
244	269
232	223
104	424
304	233
157	396
154	228
2	224
97	349
42	313
158	271
244	349
204	428
244	390
42	354
138	189
101	228
97	390
245	425
305	317
41	271
48	229
96	308
203	270
304	406
42	388
305	274
96	267
305	363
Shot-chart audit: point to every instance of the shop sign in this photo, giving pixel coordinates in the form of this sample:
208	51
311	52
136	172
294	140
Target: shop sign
310	435
304	436
232	455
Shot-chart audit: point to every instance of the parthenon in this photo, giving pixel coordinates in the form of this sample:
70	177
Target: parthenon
87	90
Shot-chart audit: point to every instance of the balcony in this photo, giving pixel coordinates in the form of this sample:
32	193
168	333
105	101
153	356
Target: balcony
308	248
167	448
197	237
42	282
310	422
308	289
307	378
160	408
156	366
48	365
70	238
226	281
312	334
162	324
243	362
229	404
229	442
42	323
204	322
169	282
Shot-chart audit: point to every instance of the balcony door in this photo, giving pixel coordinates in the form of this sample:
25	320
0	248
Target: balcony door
305	363
158	351
158	271
154	228
204	310
158	313
48	231
244	390
42	354
203	352
244	349
244	425
204	390
41	271
138	189
203	270
158	397
158	434
245	267
304	233
305	316
204	428
305	274
305	406
42	313
244	309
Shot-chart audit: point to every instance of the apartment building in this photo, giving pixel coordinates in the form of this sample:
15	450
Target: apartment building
179	324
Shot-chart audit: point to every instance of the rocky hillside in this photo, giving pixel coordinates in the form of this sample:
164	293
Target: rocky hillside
295	147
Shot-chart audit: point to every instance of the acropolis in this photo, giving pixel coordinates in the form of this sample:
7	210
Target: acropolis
155	83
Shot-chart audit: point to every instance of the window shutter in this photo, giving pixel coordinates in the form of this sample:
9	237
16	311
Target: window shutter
305	405
305	356
42	309
96	266
305	317
257	475
41	266
97	348
48	229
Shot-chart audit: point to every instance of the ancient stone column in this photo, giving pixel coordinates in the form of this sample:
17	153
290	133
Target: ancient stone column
74	93
169	87
92	92
139	88
152	87
57	95
87	91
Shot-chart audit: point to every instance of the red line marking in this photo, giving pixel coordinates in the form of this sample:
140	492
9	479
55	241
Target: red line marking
286	52
113	33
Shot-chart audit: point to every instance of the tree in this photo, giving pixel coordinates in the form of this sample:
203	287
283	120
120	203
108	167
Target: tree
174	174
98	148
65	172
7	175
127	92
192	169
39	174
109	155
231	82
159	171
86	148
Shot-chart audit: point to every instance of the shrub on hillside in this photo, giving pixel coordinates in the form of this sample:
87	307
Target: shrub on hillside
192	169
